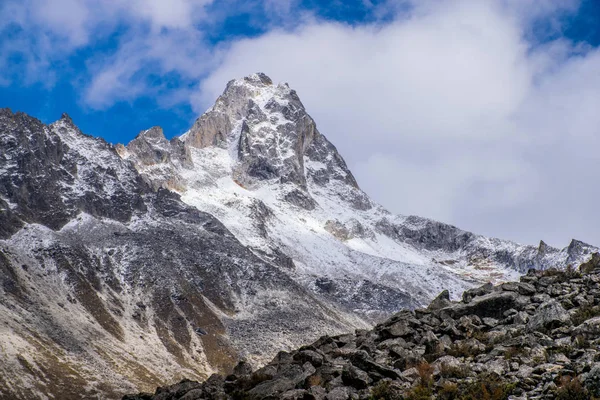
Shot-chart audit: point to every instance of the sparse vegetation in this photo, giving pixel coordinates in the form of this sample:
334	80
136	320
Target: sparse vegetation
513	352
449	371
424	388
464	349
384	390
449	391
488	387
571	389
584	313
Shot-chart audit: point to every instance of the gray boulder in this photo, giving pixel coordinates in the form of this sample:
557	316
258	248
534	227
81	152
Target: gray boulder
489	305
548	315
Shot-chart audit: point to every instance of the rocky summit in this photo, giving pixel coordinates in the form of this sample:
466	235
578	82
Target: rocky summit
127	267
533	339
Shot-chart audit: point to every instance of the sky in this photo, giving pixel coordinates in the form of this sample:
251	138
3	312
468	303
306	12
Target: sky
480	113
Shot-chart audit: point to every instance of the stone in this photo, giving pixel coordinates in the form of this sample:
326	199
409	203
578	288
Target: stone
548	315
590	328
489	305
442	300
491	322
592	380
339	393
399	329
296	394
468	295
520	287
242	368
447	362
310	356
355	377
411	374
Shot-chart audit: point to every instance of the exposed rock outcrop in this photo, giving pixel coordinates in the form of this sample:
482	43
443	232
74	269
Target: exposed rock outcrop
270	132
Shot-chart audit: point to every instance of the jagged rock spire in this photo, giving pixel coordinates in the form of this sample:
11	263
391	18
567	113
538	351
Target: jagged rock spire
269	131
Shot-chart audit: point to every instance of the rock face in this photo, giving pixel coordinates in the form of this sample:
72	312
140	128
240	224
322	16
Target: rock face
160	156
270	133
127	267
443	352
48	175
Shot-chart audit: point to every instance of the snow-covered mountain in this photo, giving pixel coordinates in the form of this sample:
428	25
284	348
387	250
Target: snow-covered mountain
127	267
257	162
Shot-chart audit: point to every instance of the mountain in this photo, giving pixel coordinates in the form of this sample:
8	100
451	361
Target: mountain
258	163
102	275
533	339
128	267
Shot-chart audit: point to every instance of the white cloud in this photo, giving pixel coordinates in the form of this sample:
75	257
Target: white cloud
452	112
128	73
47	32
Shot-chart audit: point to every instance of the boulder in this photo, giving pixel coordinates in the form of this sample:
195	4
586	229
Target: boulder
590	328
442	300
492	305
549	315
355	377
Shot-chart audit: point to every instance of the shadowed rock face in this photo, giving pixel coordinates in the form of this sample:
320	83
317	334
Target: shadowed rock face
536	339
45	179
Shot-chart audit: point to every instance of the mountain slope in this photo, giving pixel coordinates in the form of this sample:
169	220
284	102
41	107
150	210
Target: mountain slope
101	276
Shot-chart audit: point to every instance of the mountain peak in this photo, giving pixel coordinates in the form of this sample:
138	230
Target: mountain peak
65	117
258	78
268	133
155	134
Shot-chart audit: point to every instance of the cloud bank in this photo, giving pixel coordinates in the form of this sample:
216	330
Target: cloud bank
463	111
451	113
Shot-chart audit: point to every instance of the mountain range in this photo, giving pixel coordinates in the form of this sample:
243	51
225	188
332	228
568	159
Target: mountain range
125	267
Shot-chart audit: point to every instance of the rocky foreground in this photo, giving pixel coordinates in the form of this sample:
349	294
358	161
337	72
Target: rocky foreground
534	339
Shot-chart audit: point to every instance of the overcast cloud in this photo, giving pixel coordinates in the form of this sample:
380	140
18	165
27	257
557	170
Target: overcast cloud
454	110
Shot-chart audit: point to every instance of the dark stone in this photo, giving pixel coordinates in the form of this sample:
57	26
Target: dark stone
491	305
442	300
355	377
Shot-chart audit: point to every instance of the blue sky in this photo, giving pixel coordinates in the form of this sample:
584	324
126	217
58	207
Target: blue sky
478	113
120	121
